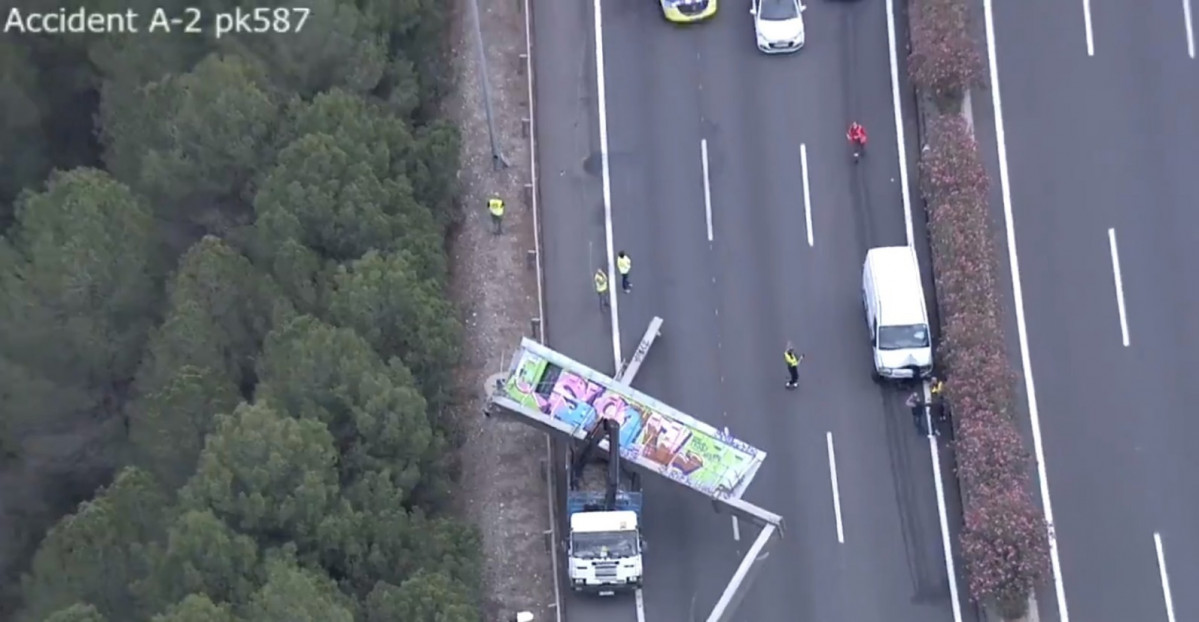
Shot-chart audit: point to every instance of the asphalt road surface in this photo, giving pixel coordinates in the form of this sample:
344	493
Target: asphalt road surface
730	304
1101	153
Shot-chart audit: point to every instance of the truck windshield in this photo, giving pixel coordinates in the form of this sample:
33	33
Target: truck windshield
605	545
902	337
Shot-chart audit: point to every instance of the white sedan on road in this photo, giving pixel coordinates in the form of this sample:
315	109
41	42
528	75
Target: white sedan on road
778	25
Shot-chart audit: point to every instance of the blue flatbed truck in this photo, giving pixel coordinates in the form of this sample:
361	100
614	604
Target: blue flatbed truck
603	506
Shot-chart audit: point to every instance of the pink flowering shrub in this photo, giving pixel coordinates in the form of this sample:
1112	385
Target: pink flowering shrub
944	60
1003	562
1005	542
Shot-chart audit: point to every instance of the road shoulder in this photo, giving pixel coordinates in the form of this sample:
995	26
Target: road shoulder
500	487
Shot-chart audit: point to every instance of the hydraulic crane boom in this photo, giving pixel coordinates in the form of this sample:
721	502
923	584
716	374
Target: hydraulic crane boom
583	454
604	429
613	428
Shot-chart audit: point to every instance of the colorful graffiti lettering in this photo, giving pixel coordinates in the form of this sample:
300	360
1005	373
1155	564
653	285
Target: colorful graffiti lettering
661	438
575	387
631	416
705	459
522	385
574	413
737	443
708	463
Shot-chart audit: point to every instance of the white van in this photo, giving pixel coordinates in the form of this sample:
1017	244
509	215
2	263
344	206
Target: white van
896	314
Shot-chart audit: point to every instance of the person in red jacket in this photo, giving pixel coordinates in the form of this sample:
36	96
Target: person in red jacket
857	139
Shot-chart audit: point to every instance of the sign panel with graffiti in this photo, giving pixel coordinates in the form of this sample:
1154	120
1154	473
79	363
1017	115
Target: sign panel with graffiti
653	435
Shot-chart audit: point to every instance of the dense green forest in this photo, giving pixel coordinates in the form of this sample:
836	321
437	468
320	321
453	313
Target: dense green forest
225	342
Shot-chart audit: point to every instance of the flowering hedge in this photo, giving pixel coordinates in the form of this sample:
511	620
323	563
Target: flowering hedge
944	60
1004	547
1004	543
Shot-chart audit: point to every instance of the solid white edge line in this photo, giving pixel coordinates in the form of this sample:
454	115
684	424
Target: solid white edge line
1165	576
807	192
942	512
535	208
901	142
703	154
832	473
1186	13
1030	387
736	529
601	93
1111	238
1086	18
601	96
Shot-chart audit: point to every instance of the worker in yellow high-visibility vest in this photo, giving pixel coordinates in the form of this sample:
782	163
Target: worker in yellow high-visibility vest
792	359
495	205
936	388
624	264
601	287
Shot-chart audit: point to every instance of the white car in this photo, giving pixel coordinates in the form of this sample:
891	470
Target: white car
778	25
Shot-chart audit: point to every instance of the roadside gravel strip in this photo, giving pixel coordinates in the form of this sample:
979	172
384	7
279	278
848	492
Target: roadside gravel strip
503	486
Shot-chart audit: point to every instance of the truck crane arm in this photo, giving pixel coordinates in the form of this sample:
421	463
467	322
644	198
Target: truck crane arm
613	428
583	454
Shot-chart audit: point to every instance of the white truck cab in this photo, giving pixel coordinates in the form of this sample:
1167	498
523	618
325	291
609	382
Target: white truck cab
604	553
896	315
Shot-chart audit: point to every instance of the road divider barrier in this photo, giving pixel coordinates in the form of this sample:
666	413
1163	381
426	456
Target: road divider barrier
1004	542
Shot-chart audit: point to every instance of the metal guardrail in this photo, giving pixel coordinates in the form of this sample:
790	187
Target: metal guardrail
539	323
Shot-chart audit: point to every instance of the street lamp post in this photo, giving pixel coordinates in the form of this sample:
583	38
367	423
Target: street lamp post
497	157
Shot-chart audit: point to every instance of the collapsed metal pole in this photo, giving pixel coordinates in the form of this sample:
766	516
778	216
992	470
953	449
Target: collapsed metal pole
497	157
739	585
629	372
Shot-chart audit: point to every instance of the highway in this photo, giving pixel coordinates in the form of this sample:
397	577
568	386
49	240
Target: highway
1099	126
732	300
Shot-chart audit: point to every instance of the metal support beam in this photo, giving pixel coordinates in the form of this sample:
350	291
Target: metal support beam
498	161
625	376
750	512
735	591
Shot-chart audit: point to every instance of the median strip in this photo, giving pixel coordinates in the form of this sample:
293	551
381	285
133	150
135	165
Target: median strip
1004	541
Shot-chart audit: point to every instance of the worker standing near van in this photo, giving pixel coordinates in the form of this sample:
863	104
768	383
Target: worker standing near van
792	361
936	388
601	287
940	410
624	264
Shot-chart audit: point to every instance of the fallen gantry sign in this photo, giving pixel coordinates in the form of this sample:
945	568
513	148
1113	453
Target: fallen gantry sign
553	392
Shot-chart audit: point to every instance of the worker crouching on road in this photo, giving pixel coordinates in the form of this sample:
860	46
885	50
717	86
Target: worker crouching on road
917	405
935	409
495	205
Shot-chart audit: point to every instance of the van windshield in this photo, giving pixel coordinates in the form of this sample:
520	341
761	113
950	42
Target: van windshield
902	337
